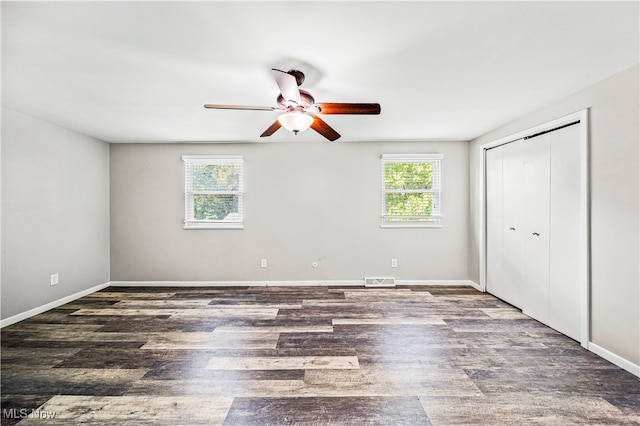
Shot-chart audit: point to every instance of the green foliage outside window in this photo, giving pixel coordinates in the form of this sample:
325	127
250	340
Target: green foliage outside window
214	207
224	180
406	184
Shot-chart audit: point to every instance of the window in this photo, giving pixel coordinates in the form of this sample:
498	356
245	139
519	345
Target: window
411	190
213	192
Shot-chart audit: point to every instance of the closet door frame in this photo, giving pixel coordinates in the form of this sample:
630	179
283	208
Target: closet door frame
584	256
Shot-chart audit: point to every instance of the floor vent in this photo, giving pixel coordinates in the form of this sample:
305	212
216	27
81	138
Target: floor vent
379	282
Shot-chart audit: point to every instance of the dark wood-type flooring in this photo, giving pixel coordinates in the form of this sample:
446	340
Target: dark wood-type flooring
303	355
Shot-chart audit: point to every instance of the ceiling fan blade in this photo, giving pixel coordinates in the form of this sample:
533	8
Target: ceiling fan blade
287	85
271	129
320	126
246	107
347	108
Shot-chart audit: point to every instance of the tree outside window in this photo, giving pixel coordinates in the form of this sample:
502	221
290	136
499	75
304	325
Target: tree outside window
213	192
411	190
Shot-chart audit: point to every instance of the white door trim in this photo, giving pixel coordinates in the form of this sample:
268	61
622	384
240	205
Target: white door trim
585	278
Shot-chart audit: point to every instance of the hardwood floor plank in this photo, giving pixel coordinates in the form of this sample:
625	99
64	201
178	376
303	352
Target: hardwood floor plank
141	303
74	381
275	329
628	405
158	325
216	312
523	408
504	313
185	340
395	381
39	357
262	305
534	379
115	357
186	370
71	344
134	410
388	321
283	363
204	387
135	293
337	411
495	325
31	329
67	335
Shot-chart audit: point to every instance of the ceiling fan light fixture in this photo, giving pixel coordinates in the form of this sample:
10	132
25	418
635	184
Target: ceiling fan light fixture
295	121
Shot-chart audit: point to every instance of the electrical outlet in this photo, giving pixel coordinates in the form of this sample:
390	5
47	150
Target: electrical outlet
54	279
263	263
394	263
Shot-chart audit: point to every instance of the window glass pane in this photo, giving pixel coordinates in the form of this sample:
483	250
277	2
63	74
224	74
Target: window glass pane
415	204
408	175
215	207
216	177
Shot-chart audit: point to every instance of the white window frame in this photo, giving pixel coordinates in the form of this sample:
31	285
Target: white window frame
432	221
228	223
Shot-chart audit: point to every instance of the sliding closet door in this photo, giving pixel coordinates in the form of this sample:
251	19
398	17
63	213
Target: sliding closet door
564	285
512	231
494	221
535	227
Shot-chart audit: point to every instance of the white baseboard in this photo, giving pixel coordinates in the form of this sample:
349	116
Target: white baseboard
236	283
40	309
440	283
284	283
615	359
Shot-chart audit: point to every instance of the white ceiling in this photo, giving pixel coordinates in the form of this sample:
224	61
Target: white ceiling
141	71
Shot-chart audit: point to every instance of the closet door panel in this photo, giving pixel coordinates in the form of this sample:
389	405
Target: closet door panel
564	286
494	221
535	254
512	200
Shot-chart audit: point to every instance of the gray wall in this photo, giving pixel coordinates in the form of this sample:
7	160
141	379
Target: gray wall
55	212
304	202
615	208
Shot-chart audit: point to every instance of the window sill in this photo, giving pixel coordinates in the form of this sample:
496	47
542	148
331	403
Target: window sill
411	225
190	226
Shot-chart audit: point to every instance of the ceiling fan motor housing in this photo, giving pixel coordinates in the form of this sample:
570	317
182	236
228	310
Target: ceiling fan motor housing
305	98
299	75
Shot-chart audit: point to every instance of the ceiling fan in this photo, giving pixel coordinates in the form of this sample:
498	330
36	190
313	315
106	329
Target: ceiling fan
299	109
